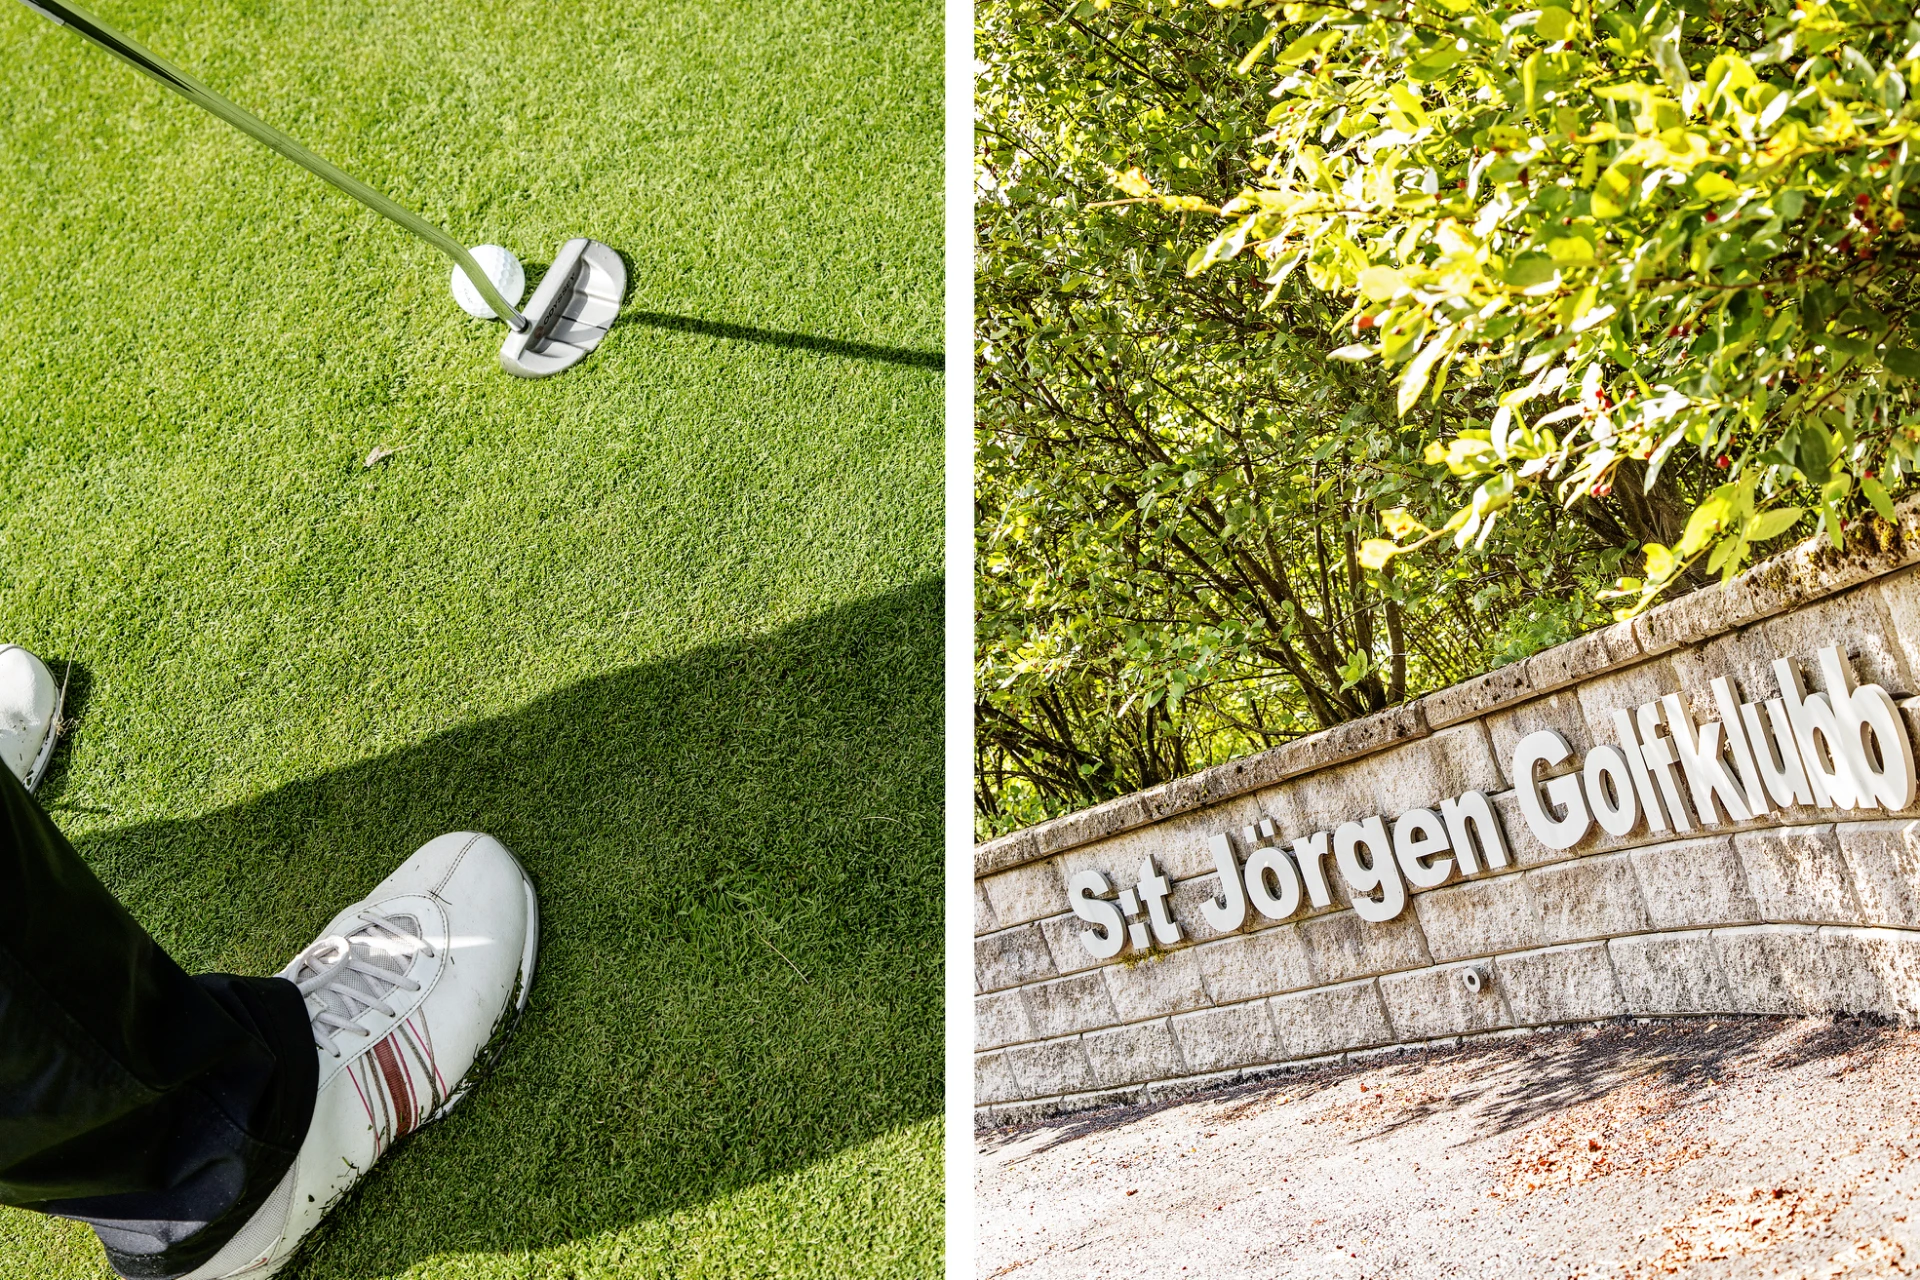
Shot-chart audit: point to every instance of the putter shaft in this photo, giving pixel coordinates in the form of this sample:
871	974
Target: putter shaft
131	52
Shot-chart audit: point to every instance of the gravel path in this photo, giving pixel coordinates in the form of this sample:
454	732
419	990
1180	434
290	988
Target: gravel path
1743	1147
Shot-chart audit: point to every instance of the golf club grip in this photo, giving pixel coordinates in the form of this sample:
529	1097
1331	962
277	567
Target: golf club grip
187	87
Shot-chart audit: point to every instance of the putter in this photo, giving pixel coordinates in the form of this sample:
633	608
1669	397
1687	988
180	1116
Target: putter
570	312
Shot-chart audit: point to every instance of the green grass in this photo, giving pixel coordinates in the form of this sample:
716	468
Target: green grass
669	624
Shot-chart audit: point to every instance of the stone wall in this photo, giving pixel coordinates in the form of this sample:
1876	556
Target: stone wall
1795	912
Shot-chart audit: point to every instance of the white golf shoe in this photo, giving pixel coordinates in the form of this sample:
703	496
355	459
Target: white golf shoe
412	992
29	714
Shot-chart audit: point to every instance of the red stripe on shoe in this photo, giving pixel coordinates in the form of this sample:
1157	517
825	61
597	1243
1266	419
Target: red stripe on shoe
399	1086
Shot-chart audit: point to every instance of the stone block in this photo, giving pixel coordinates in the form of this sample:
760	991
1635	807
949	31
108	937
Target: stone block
1000	1019
1079	1003
1343	947
1186	903
1010	850
983	921
1671	973
1026	893
1883	861
1582	657
1855	621
1179	845
1155	984
1331	1020
1846	980
993	1080
1774	968
1237	1035
1420	774
1278	801
1133	1054
1704	612
1798	875
1593	897
1560	984
1473	698
1899	599
1255	964
1070	954
1556	711
1887	965
1072	830
1526	849
1252	773
1324	800
1276	804
1050	1067
1746	657
1694	884
1011	957
1479	917
1626	689
1429	1003
1356	738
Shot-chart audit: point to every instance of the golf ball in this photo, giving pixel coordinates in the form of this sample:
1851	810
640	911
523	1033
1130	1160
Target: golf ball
502	268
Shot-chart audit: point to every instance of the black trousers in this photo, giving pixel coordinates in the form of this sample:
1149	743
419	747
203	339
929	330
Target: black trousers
161	1109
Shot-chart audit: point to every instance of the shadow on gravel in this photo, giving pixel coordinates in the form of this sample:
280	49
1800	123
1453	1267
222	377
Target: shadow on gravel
1523	1079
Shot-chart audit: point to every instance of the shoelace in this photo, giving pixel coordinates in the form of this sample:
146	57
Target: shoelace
332	959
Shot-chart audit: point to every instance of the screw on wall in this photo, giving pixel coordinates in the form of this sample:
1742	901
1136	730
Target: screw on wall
1476	978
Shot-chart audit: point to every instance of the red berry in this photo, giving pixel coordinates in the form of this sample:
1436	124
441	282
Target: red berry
1364	322
1721	461
1602	489
1713	217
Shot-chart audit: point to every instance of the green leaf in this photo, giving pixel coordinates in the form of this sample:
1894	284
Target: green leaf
1305	47
1712	186
1414	380
1877	495
1253	54
1769	525
1435	64
1570	250
1381	283
1904	361
1707	520
1533	268
1554	23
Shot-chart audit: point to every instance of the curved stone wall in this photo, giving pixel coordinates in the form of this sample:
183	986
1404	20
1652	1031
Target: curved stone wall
1806	908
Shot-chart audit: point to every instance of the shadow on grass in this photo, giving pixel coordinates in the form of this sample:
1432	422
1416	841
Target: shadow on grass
738	855
794	341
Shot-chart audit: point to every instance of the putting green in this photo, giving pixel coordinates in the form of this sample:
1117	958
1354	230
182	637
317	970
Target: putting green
668	624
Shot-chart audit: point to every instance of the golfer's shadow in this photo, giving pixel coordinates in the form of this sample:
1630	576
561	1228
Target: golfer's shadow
738	855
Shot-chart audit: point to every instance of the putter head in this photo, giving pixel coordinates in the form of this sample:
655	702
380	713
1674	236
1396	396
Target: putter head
569	313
